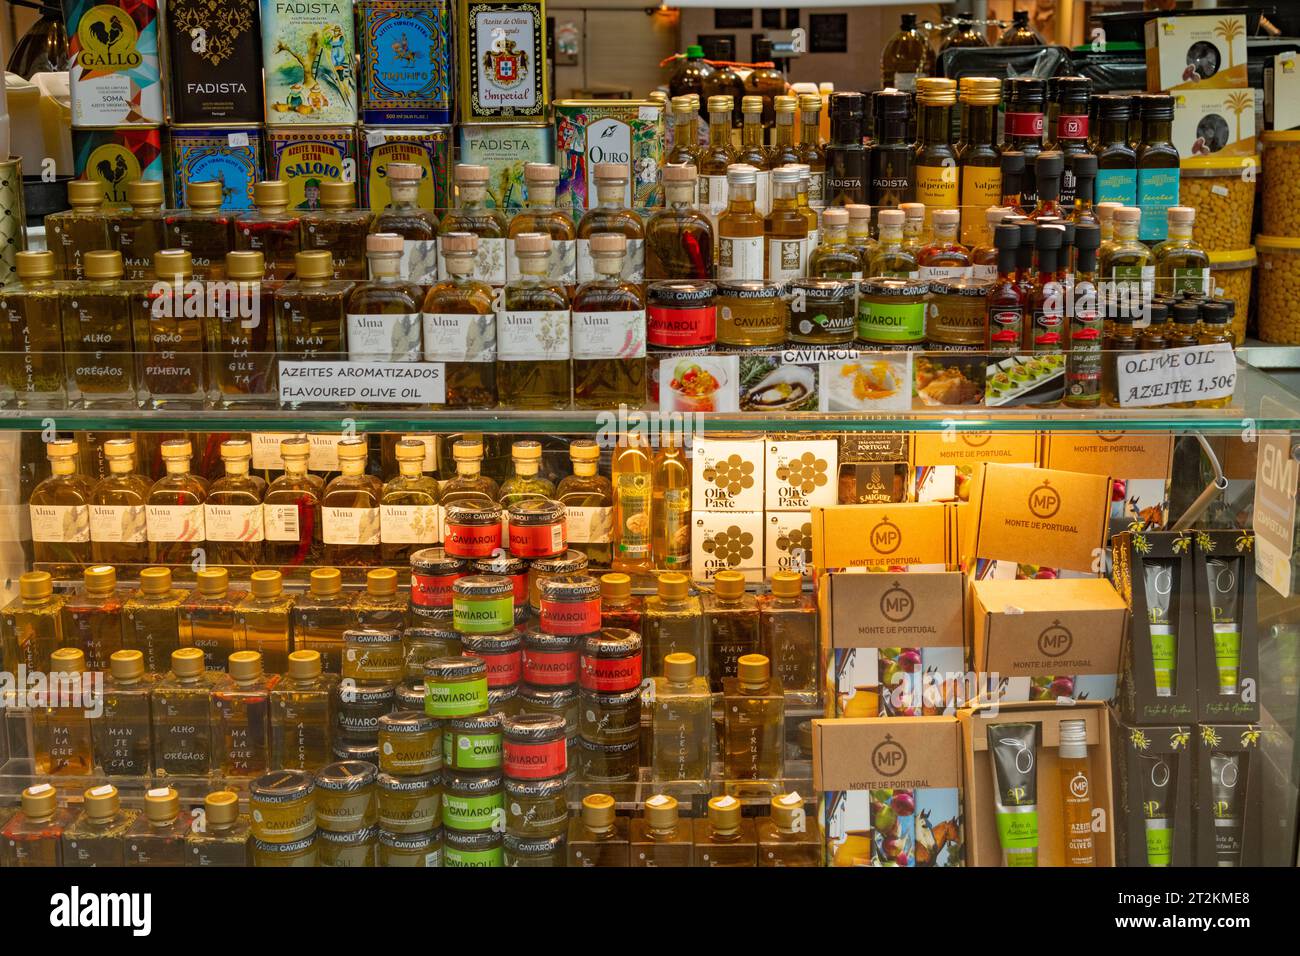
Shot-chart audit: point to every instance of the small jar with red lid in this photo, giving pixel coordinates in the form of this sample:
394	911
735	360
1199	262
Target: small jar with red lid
534	747
503	654
471	530
538	528
504	566
570	604
550	660
571	562
610	661
433	572
680	314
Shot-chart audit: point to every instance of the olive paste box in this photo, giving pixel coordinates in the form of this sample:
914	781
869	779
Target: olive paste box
977	768
801	474
1153	794
727	541
884	537
944	462
727	474
788	542
892	791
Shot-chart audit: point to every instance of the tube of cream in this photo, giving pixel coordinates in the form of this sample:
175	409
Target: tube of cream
1225	622
1164	641
1226	801
1156	774
1014	752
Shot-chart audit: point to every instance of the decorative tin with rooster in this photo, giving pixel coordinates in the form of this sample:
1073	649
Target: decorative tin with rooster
114	76
405	48
118	156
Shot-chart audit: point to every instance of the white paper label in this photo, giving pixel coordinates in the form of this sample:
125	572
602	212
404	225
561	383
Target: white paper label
712	191
563	265
589	525
350	525
419	261
786	259
60	523
233	522
280	522
460	337
266	450
1198	373
409	524
384	383
936	273
533	336
175	523
117	524
384	338
237	140
602	335
489	262
740	258
816	190
633	261
984	272
763	192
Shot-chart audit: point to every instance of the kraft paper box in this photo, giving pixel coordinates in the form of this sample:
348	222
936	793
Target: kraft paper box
1210	124
977	770
1201	51
944	463
1037	516
894	643
727	474
1227	626
801	474
892	791
787	542
1229	806
1122	454
1153	795
874	468
883	537
1049	639
727	541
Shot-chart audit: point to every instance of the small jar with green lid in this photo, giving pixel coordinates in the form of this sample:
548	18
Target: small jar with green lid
423	644
533	851
471	848
561	701
359	707
409	743
571	562
298	853
409	694
281	807
610	718
891	312
410	849
345	796
482	604
472	743
455	687
347	848
373	655
503	654
472	801
410	804
537	808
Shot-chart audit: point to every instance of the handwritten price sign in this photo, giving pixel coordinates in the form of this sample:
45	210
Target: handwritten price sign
1199	373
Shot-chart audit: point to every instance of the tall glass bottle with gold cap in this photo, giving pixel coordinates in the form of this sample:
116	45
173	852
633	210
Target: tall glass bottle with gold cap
787	837
310	313
232	512
122	735
139	230
811	148
182	716
81	229
724	837
711	195
92	617
291	509
302	715
533	329
321	616
753	152
203	229
34	836
31	340
786	228
264	620
682	721
631	475
418	255
240	336
784	150
270	228
95	836
61	744
685	150
32	623
241	718
408	509
609	331
222	838
809	214
673	623
670	505
660	837
788	627
753	738
475	217
977	153
151	621
730	624
170	317
588	499
937	185
460	326
384	323
207	618
597	835
542	215
611	214
339	228
96	319
117	508
157	837
469	485
350	508
60	511
174	513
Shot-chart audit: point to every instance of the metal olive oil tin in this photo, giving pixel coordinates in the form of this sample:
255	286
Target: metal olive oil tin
430	149
405	48
308	57
627	132
214	61
504	149
118	156
306	156
114	75
230	155
502	58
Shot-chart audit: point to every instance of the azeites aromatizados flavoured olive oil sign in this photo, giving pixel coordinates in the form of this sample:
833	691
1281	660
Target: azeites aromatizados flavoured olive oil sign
503	69
308	51
214	56
114	75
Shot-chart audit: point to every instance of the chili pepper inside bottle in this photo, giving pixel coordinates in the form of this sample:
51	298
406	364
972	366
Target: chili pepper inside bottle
1025	264
1006	301
1083	366
1048	167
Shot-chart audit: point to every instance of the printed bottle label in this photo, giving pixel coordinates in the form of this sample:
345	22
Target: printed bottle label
935	273
1006	326
1157	190
740	258
817	190
280	522
60	523
633	261
1117	185
712	195
233	522
763	192
419	261
489	262
459	337
682	328
983	272
677	527
118	524
609	335
589	525
562	267
175	523
936	186
633	492
350	525
534	336
1192	280
981	187
786	258
384	338
1023	124
408	524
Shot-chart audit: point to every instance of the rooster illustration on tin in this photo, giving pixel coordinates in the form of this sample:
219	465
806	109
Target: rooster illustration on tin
110	34
114	171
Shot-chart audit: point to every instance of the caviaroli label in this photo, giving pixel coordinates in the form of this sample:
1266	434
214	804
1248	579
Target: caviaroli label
432	590
472	540
682	328
60	523
503	670
536	540
540	760
459	699
552	668
570	617
610	674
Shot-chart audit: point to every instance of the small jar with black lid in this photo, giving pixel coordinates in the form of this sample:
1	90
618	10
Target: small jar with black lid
571	562
504	700
610	661
822	311
373	656
455	687
345	796
537	528
472	743
503	654
359	708
433	572
410	804
423	644
297	853
608	763
409	743
481	848
610	718
956	316
281	806
681	315
534	851
557	701
751	314
347	848
355	750
534	747
891	313
505	566
420	850
472	801
483	604
409	694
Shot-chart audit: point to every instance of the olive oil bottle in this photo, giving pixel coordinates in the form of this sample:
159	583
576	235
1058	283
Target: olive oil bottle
182	718
588	499
81	229
61	741
232	511
611	214
785	229
711	195
208	618
59	509
350	507
787	837
339	228
97	335
682	722
241	718
223	839
302	715
753	153
631	476
31	343
753	710
609	331
264	620
670	505
92	617
459	325
533	331
408	509
122	735
1182	264
174	511
417	252
151	622
95	837
724	837
291	510
660	838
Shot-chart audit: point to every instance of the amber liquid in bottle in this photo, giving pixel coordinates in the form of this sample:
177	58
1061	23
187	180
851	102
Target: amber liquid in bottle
609	332
384	313
711	193
661	838
533	331
418	260
350	509
59	510
31	623
232	513
241	718
31	347
787	837
61	740
597	837
472	216
151	623
741	227
182	716
725	838
670	506
270	228
460	326
241	337
81	229
97	335
310	314
588	499
630	475
302	715
611	214
174	511
203	230
321	616
408	511
679	237
122	735
207	618
95	838
339	228
753	710
542	215
291	510
92	618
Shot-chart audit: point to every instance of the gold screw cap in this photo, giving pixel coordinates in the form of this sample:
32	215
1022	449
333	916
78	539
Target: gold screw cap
753	669
187	662
35	585
40	801
35	265
246	265
661	811
68	660
156	580
672	586
100	803
598	811
126	665
102	264
142	193
245	665
729	584
787	584
221	807
204	195
266	584
213	582
381	582
679	666
724	813
326	581
304	665
162	805
101	579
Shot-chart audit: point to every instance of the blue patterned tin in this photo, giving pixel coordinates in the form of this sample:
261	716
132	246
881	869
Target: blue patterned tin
406	61
230	155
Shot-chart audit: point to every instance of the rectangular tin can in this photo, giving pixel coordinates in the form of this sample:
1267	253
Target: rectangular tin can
308	56
501	50
504	150
118	156
406	64
214	61
306	156
429	148
626	132
114	76
231	155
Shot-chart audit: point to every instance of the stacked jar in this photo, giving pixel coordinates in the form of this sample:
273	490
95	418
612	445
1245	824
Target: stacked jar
282	818
609	706
372	663
408	788
346	814
535	767
1278	242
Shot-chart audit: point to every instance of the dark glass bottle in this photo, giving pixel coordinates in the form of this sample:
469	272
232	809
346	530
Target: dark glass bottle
1119	341
1047	331
964	34
1083	364
1085	190
724	81
906	57
1013	175
1116	159
1005	305
765	81
1069	133
977	153
1157	165
1025	100
690	74
936	181
893	160
847	159
1020	33
1048	167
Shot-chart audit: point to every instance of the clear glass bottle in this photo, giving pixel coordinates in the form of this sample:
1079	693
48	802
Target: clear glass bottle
380	606
785	229
809	214
408	508
122	734
78	230
384	314
350	508
682	722
59	508
291	510
588	499
834	258
753	152
95	836
31	340
786	837
417	259
753	733
619	607
812	149
117	508
151	621
533	329
541	215
717	155
597	835
685	149
906	56
203	229
1182	264
34	836
181	705
170	317
670	505
302	715
157	837
311	311
96	319
222	838
916	233
321	616
784	149
525	484
631	469
469	485
241	718
270	228
339	228
473	216
724	837
241	337
730	625
679	237
609	331
660	838
31	623
740	227
460	328
944	257
174	512
264	620
611	214
788	626
891	259
92	617
1127	263
207	618
61	744
673	623
232	512
977	152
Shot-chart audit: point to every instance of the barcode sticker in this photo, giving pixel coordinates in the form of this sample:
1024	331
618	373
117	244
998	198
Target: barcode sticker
281	522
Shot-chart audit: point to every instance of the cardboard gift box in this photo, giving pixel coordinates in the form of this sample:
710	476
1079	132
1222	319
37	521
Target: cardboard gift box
1214	123
727	474
873	468
1228	802
1154	795
885	537
944	462
1197	52
1227	626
